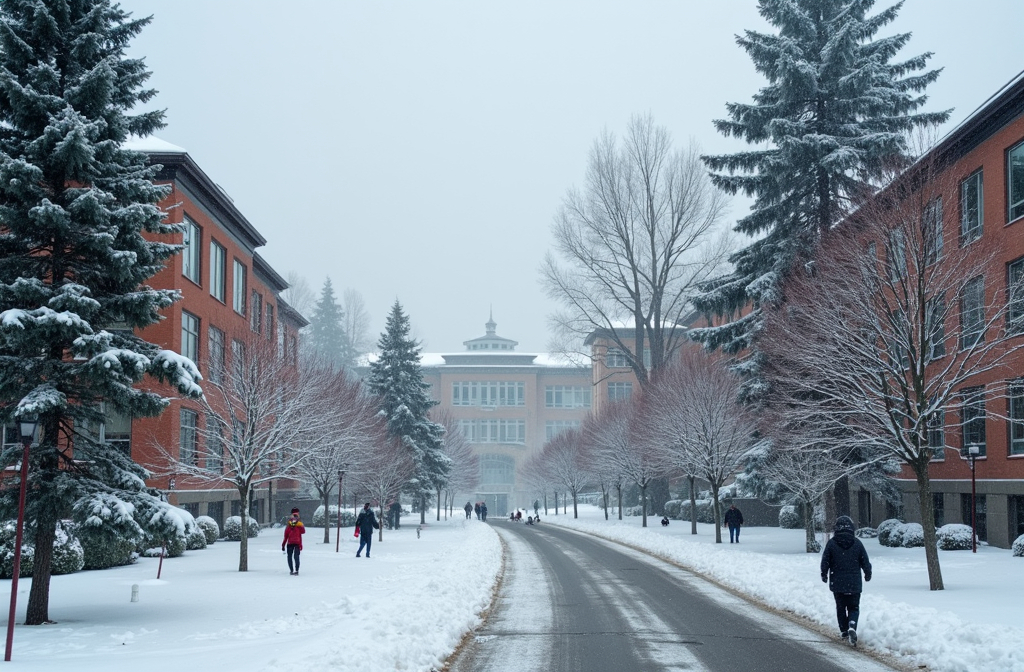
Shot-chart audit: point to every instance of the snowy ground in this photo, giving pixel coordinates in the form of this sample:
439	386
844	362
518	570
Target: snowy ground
974	625
406	608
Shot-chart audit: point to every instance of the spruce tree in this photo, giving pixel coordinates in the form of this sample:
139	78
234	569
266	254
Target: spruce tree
73	269
327	334
835	114
397	381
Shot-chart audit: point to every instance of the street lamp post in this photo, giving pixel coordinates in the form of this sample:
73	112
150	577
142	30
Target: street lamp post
972	453
337	531
28	425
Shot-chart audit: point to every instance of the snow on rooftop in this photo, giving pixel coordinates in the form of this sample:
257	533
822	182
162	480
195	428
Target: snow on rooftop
153	144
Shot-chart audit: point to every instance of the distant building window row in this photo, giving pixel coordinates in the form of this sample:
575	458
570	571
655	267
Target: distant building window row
973	418
490	346
553	428
188	441
499	393
566	396
497	470
619	391
494	431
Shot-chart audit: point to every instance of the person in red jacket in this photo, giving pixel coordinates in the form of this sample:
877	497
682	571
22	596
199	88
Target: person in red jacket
293	532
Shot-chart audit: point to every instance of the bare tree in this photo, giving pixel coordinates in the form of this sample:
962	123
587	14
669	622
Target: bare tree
261	414
694	417
565	459
615	438
384	469
357	321
860	349
465	465
636	242
351	426
299	294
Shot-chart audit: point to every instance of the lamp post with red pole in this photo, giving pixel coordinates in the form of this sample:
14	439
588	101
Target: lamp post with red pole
973	452
28	424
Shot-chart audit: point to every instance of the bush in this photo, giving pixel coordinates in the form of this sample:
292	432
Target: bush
866	533
233	528
911	535
68	556
672	509
885	530
210	528
813	546
1018	547
789	518
196	541
103	549
705	511
348	519
8	533
954	537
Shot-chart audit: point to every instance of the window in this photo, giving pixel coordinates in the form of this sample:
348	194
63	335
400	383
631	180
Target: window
972	418
190	336
1015	180
218	270
115	430
619	391
215	368
1016	417
937	434
489	394
932	230
553	428
257	311
896	255
239	288
971	208
270	322
188	439
497	470
564	396
615	359
494	431
1015	296
935	326
237	357
980	514
939	509
972	313
190	254
214	445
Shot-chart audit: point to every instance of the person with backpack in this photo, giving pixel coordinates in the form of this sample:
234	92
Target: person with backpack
293	531
842	562
366	523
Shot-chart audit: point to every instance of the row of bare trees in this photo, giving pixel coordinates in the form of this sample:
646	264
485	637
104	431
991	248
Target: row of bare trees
687	423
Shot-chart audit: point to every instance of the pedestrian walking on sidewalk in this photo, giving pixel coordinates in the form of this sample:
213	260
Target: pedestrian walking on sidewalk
842	562
293	531
366	522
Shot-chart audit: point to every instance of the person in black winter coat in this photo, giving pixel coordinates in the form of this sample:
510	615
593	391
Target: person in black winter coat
842	562
366	522
734	519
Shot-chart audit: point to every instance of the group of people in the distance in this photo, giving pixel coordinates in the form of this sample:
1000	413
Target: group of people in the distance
480	508
366	523
517	517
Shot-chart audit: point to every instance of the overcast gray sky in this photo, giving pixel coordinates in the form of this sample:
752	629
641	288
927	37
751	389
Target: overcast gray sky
419	150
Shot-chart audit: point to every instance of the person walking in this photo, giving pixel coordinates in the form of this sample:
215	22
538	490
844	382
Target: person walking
477	509
293	532
734	519
366	522
842	562
469	509
483	511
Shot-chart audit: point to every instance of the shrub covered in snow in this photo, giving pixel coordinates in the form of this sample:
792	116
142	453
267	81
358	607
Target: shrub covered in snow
1018	547
68	556
789	518
813	546
103	549
867	533
196	540
672	509
705	511
233	528
210	528
348	519
954	537
911	535
885	530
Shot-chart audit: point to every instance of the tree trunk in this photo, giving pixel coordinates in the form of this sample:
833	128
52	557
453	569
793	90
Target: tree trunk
842	496
243	544
324	496
423	508
439	504
38	611
380	521
619	488
545	503
575	509
604	496
693	505
716	508
556	502
931	549
643	504
810	544
832	507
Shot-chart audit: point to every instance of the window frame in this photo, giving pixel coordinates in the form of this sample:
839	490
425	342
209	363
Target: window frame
932	229
969	339
973	418
1015	422
1015	319
969	235
192	252
1013	215
190	337
216	347
188	437
239	287
218	270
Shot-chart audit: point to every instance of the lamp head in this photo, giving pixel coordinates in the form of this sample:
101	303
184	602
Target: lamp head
973	450
29	424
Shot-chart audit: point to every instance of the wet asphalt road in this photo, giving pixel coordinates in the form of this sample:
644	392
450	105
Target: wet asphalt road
571	603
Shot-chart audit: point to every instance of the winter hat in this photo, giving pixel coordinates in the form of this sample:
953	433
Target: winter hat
295	510
844	524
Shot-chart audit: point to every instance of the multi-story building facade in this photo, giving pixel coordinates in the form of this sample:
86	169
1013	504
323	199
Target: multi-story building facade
509	405
228	293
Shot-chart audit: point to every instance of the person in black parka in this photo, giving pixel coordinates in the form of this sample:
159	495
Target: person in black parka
734	519
842	562
367	523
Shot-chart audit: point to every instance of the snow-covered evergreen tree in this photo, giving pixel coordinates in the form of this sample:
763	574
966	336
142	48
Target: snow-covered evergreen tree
327	336
397	381
835	113
73	269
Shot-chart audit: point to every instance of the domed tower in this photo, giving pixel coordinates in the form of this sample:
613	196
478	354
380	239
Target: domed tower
490	341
